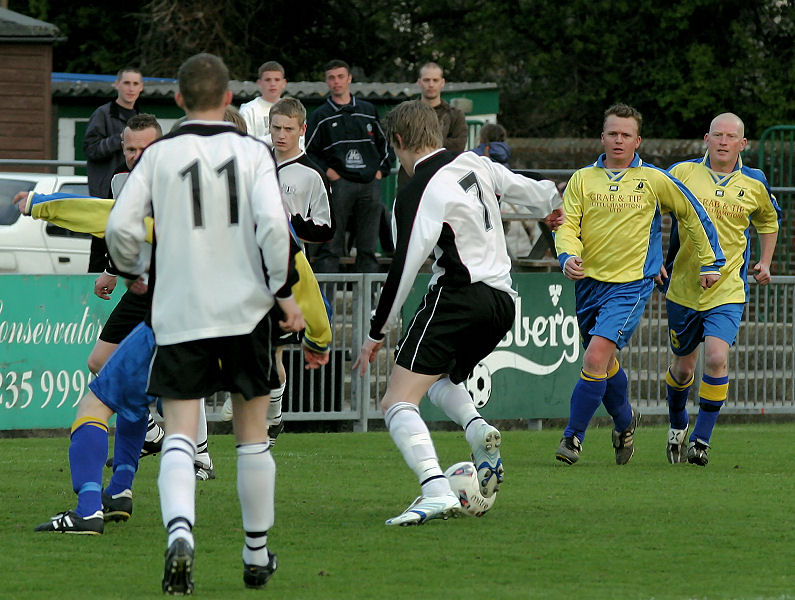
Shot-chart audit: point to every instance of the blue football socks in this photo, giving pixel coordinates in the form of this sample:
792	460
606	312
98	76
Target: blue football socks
126	451
88	450
585	399
615	399
712	394
677	394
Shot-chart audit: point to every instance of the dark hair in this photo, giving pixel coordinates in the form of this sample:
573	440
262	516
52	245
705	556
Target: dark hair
124	70
271	65
144	121
336	64
203	80
492	132
625	111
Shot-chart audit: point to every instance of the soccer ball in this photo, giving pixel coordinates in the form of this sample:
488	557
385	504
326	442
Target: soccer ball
463	478
478	385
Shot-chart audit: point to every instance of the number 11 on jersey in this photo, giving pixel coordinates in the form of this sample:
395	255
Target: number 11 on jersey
192	172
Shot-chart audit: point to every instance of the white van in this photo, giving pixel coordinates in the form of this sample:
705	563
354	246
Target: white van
32	246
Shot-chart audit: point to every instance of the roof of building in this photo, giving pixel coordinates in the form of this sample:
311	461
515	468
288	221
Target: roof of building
76	85
15	27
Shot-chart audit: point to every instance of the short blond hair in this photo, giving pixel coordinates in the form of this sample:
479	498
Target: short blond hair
232	115
417	125
430	65
289	107
728	116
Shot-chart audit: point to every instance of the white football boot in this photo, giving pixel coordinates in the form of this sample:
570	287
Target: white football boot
486	456
676	449
425	509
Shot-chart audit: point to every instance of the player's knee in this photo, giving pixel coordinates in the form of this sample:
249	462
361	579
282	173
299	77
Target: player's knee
386	404
94	363
681	375
91	406
598	356
683	367
715	362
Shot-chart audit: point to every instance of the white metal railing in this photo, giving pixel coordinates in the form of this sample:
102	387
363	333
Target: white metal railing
335	392
761	363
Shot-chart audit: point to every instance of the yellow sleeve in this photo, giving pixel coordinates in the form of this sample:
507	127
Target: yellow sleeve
693	219
766	218
83	215
306	292
80	214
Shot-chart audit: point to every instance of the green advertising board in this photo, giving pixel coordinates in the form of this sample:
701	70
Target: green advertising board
48	326
532	371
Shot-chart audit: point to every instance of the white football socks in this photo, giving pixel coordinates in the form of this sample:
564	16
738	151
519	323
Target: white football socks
457	404
176	483
275	406
256	481
454	400
154	432
411	436
201	433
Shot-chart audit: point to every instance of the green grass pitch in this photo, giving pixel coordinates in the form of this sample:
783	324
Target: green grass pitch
593	530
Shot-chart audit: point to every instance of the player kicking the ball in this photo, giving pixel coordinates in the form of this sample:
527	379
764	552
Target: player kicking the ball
448	208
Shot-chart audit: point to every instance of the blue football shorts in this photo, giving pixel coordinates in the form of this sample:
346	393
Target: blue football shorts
121	383
610	310
688	327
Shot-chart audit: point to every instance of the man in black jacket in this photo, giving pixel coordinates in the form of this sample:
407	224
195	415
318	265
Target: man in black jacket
102	147
345	138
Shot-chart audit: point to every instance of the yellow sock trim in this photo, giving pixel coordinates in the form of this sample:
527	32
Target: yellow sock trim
669	379
714	393
590	376
614	370
89	421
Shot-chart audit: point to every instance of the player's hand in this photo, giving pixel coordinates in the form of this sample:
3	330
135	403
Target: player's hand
367	355
104	286
21	200
662	277
313	358
572	268
555	219
293	318
708	280
762	274
137	286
